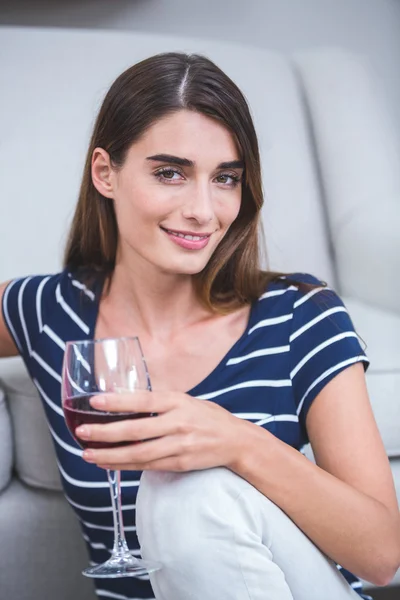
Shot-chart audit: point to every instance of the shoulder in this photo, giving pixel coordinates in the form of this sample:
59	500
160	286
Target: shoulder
322	322
30	292
49	287
302	298
59	302
33	299
25	290
299	280
26	301
295	288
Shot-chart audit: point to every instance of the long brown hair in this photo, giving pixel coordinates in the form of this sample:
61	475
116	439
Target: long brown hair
139	97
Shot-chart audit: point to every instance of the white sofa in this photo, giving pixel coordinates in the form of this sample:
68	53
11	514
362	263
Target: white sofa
330	159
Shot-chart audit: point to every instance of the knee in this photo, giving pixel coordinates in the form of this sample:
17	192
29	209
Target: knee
171	507
167	494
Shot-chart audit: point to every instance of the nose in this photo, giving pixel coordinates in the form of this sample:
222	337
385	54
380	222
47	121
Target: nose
199	207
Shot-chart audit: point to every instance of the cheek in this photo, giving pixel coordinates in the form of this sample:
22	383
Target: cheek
230	211
136	209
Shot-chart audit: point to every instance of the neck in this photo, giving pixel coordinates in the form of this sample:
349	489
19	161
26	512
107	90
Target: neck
160	304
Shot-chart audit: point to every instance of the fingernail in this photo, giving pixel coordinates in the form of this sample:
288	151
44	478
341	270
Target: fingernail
97	401
88	455
82	431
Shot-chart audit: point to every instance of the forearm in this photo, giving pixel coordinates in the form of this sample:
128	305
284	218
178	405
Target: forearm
355	530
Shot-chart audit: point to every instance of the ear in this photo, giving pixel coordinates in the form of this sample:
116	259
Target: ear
102	172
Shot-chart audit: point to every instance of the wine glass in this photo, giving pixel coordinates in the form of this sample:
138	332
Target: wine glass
93	367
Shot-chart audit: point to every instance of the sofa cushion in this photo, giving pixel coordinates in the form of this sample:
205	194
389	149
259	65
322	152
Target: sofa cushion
35	460
6	444
40	533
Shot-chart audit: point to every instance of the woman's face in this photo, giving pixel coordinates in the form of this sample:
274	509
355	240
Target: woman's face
174	198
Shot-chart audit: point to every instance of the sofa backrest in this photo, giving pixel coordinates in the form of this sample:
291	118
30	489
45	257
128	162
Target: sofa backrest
53	82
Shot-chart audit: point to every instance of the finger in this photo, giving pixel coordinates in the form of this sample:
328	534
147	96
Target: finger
138	401
137	454
130	429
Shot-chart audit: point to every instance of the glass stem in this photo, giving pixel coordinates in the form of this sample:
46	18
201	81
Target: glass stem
120	546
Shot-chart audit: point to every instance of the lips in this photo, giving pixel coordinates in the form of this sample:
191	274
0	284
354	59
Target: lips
188	240
189	235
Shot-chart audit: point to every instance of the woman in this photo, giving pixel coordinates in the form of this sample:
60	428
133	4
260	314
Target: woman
246	366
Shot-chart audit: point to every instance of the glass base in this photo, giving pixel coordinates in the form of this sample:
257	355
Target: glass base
122	566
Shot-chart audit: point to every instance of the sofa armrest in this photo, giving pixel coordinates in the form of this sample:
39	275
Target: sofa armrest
34	456
367	247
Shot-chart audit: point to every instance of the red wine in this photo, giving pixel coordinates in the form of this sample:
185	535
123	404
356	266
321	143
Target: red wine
78	411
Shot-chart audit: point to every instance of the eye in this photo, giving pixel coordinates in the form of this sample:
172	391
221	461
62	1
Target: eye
164	174
236	179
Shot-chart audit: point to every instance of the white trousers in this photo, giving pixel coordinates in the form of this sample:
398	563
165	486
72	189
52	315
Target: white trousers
219	538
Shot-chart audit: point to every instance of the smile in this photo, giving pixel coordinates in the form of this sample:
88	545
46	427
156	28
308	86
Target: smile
189	241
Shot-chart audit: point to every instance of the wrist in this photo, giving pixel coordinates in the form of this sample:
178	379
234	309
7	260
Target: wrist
250	442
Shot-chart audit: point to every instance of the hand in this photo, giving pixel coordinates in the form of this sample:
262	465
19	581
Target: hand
187	434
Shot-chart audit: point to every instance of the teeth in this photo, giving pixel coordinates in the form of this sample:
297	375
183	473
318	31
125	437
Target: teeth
194	238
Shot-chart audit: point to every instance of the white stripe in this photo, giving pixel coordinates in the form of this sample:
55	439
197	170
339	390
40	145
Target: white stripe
7	316
54	337
108	594
82	287
323	315
248	384
70	312
105	527
99	508
38	302
45	366
325	344
71	449
52	405
252	415
326	373
277	292
356	585
272	321
73	384
309	295
80	357
93	484
21	314
256	353
96	545
33	354
286	418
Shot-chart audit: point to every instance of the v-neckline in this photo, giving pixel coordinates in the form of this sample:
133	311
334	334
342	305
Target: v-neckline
195	390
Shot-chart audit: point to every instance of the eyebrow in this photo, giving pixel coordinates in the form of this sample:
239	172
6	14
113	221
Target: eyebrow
185	162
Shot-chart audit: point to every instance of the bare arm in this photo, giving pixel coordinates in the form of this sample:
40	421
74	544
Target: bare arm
7	345
346	504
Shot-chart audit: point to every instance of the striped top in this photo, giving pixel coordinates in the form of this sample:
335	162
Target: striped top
293	345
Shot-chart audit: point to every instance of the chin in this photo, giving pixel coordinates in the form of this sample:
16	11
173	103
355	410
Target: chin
191	268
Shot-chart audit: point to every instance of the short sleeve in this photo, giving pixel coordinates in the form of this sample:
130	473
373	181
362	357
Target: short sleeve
22	311
323	343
